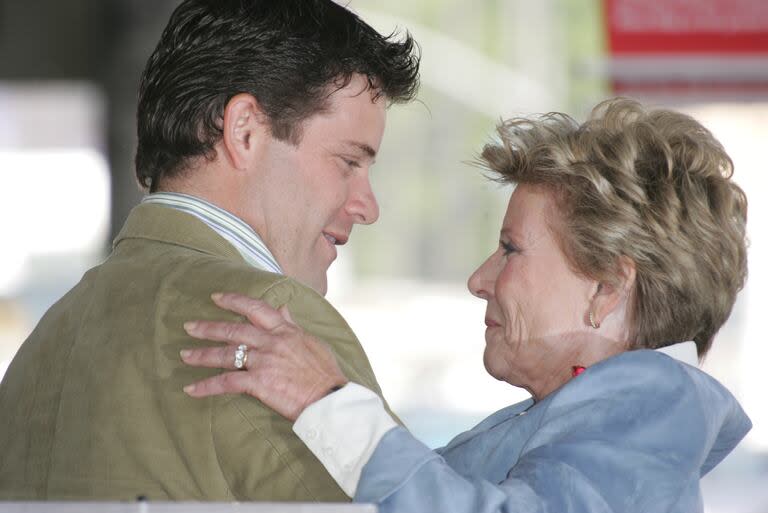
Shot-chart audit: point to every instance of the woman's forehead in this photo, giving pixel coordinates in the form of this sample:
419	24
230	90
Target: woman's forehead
529	204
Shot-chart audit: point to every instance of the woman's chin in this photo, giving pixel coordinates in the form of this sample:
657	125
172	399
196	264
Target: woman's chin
493	366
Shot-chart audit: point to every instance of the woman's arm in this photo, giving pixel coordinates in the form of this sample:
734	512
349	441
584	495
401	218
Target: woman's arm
348	430
628	435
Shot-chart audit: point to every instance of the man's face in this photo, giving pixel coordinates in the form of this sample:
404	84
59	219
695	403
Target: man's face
311	194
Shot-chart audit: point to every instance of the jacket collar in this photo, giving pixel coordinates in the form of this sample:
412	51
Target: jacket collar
162	224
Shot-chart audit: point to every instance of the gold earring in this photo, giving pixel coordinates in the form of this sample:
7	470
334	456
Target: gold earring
592	320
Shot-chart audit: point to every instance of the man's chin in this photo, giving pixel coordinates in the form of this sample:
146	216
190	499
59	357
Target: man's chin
316	279
317	283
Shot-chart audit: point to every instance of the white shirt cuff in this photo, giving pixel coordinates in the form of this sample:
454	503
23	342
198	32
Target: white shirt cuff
342	430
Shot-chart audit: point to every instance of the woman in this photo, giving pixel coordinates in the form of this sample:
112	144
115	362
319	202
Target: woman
623	240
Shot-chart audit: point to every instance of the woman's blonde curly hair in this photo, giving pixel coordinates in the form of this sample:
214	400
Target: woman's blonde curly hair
651	185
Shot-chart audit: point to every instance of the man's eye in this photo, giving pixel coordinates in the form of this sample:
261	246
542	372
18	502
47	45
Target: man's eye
352	163
508	248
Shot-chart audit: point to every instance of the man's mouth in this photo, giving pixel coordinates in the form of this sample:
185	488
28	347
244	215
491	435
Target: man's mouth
336	240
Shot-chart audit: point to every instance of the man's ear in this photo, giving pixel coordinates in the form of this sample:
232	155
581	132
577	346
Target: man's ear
608	296
243	129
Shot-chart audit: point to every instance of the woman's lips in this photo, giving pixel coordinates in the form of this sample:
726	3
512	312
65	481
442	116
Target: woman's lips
491	323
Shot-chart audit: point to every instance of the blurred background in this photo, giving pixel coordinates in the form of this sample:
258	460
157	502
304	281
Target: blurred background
69	73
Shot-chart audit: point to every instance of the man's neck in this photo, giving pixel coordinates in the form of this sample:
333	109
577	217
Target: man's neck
230	227
222	193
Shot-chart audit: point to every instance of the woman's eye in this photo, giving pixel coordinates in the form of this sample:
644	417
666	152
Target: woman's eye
508	248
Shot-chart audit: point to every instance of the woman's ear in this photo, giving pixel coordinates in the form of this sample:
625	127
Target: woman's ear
610	296
243	127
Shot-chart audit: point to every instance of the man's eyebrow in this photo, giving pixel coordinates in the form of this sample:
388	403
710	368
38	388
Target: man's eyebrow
362	147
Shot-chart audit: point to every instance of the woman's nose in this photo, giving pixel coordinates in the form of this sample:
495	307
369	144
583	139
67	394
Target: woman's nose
479	283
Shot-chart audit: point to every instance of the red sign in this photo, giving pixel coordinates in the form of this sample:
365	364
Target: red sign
675	49
691	27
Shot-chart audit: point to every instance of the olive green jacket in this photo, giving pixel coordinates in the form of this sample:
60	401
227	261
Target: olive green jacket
92	406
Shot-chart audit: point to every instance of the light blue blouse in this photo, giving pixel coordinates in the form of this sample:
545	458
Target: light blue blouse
632	434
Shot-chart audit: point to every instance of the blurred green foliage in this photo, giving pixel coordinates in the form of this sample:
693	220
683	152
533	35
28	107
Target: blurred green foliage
439	216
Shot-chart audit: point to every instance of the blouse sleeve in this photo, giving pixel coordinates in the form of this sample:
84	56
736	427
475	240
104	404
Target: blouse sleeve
626	437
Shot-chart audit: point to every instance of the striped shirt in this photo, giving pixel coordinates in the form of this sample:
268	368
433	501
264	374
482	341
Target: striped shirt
230	227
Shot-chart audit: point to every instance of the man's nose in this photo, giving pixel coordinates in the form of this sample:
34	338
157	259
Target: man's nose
362	203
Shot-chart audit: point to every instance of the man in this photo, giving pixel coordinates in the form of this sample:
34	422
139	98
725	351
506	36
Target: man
258	122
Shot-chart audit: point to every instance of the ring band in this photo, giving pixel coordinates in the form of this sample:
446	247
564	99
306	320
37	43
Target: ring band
241	357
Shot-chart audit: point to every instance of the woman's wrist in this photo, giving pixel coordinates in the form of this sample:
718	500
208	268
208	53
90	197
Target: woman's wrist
319	393
335	388
350	423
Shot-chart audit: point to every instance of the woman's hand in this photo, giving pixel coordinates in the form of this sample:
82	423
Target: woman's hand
285	368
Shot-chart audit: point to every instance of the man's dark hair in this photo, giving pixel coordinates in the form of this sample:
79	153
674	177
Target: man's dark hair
289	54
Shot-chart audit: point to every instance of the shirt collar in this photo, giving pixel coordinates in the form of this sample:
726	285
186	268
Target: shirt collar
227	225
683	351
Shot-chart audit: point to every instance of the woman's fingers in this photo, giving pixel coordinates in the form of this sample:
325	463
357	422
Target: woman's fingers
266	382
230	332
290	370
235	382
214	357
286	314
258	312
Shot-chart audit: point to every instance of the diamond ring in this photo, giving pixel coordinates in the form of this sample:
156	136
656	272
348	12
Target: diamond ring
241	357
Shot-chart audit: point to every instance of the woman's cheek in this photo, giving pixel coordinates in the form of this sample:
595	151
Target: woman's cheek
516	327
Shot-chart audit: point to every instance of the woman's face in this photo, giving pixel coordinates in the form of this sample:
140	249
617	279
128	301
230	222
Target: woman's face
538	308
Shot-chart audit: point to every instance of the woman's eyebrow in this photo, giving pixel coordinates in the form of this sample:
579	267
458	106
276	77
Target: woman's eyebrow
509	233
